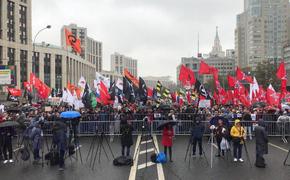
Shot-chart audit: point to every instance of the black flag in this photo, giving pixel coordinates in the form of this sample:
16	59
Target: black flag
128	90
143	90
86	99
199	88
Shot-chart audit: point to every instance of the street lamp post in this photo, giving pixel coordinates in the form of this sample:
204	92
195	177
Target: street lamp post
33	55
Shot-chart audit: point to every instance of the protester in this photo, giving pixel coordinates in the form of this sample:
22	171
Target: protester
196	136
220	132
7	133
167	136
247	120
238	133
126	130
261	144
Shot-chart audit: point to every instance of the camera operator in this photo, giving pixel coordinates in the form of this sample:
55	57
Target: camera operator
59	139
196	136
36	137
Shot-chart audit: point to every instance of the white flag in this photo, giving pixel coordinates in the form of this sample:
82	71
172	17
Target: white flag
254	88
102	78
82	82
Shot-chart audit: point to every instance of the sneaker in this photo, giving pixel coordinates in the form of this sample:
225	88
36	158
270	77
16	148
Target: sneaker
61	169
11	161
235	160
5	162
241	160
193	155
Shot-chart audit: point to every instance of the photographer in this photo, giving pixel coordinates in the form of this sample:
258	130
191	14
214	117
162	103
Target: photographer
59	139
126	136
36	137
196	136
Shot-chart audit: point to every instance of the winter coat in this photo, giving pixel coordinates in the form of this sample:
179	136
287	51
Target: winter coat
126	135
220	132
36	137
197	131
261	140
167	136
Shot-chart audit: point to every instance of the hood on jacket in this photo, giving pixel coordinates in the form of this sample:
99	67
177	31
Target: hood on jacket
237	121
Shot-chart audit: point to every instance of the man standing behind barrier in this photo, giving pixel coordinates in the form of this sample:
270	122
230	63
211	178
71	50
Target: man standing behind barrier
196	136
238	133
261	144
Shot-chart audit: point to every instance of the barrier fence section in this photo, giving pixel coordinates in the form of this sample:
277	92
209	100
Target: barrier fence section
110	125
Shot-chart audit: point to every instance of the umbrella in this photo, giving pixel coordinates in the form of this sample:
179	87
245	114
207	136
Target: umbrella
70	114
8	124
259	105
214	121
166	123
13	110
28	108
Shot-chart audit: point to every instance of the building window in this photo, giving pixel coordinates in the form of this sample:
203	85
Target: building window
10	21
23	24
46	59
1	55
58	72
23	67
35	63
11	56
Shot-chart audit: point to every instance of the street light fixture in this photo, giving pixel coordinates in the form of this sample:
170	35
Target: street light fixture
33	55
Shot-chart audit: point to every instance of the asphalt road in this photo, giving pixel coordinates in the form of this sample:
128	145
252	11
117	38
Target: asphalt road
193	168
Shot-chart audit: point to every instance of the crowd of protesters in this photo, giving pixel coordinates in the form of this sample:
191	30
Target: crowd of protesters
239	125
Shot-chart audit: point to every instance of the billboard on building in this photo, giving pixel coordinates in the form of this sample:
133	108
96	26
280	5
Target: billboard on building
7	75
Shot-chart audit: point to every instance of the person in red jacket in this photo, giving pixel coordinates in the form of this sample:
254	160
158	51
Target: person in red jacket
167	136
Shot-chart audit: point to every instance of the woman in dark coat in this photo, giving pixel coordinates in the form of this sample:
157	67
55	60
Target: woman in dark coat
261	144
126	130
167	136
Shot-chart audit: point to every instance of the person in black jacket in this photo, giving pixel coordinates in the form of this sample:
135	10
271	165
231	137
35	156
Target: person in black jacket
7	134
196	136
261	144
126	130
220	132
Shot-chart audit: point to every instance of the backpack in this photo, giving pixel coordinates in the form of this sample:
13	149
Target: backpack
25	155
52	157
161	158
123	161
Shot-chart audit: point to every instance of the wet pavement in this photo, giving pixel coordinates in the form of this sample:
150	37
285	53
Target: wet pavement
193	168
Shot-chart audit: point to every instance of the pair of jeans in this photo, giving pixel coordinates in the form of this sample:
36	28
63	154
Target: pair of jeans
7	148
123	150
196	141
170	152
237	150
36	154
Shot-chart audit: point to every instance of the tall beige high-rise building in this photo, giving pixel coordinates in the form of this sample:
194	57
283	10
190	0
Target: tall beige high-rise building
261	32
54	65
120	62
92	50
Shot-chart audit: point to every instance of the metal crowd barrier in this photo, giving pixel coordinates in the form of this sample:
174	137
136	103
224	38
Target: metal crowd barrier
183	127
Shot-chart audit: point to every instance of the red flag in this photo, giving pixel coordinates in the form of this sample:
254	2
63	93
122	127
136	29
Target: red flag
204	68
34	81
43	91
14	92
149	92
186	76
104	94
281	72
272	97
242	76
231	81
73	41
27	86
132	78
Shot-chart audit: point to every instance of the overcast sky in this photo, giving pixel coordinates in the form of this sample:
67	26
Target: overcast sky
156	32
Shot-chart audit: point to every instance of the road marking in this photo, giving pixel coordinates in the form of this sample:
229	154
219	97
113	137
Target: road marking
278	147
160	171
142	166
144	142
133	170
148	150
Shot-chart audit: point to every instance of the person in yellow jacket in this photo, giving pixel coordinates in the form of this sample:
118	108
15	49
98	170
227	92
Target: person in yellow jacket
238	133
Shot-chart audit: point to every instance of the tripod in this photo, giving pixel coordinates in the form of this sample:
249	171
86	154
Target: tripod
189	149
285	161
147	138
93	153
74	143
